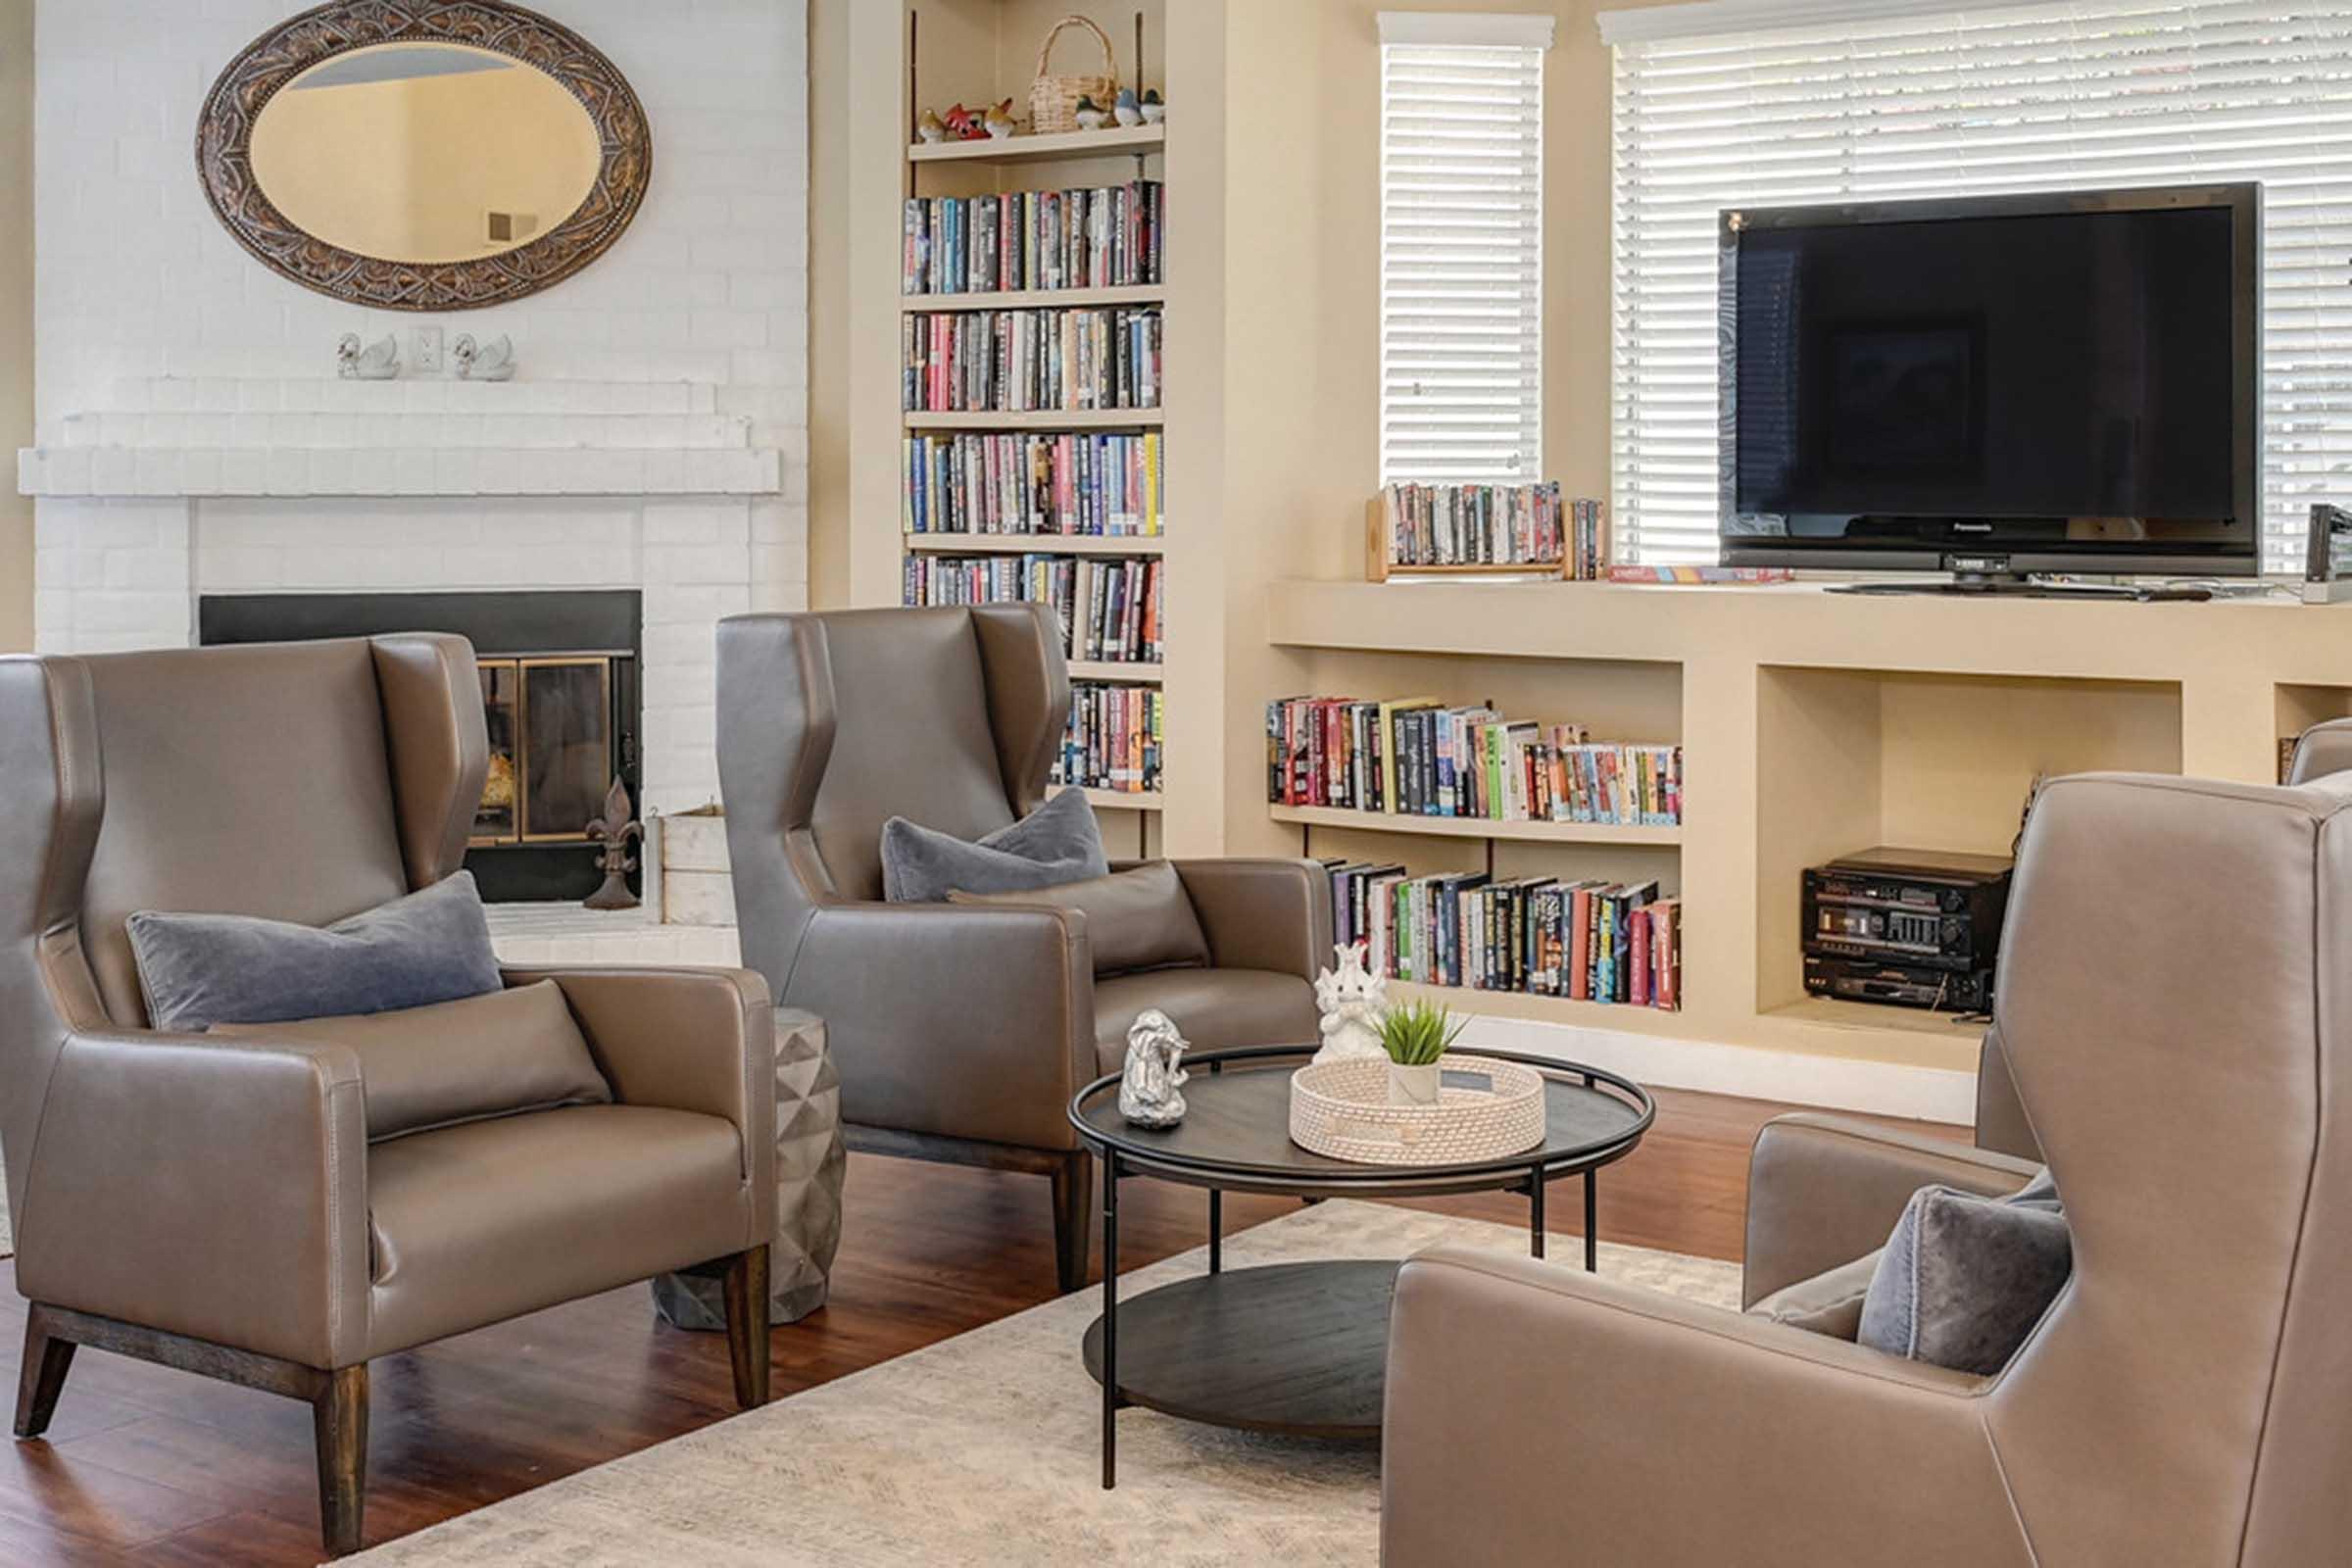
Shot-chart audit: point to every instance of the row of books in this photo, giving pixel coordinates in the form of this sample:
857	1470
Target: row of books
1022	482
1100	236
1493	524
1589	940
1115	738
1110	605
1019	362
1420	757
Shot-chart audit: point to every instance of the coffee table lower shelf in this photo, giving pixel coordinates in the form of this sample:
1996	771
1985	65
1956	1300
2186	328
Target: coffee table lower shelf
1294	1349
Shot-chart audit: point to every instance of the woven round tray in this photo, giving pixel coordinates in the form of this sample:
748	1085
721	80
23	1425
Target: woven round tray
1342	1110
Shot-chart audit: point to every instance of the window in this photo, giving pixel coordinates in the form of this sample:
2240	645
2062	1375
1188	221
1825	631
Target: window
1461	246
1749	102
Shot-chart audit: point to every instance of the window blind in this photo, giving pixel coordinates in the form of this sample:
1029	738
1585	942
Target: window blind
1461	248
2017	97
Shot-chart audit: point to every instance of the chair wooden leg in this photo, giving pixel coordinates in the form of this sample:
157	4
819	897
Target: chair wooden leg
744	1290
339	1418
1073	1219
42	1377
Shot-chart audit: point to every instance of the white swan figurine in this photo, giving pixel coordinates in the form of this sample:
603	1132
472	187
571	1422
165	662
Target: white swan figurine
381	362
490	362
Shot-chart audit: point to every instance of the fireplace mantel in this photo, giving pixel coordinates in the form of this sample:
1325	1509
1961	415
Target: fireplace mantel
200	439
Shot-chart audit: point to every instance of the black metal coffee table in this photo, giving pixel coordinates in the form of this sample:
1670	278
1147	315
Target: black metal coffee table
1298	1347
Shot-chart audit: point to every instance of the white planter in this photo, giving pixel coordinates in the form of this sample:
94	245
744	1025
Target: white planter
1413	1086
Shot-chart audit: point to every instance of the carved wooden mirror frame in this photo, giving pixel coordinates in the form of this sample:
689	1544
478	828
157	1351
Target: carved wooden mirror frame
225	157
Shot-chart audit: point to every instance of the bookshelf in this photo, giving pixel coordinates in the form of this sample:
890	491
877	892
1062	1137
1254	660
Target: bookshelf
1033	299
1472	827
977	52
1022	544
1111	140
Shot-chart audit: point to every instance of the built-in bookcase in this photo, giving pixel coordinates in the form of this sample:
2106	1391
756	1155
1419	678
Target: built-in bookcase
1033	459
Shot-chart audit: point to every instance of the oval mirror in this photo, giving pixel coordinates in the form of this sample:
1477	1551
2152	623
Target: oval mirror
451	153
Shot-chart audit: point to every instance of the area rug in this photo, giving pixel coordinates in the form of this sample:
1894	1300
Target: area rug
983	1449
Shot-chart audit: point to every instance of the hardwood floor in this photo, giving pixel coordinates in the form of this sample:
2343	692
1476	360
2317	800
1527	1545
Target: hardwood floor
148	1466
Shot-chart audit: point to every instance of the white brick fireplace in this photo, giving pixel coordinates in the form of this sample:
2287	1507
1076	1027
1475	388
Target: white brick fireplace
530	486
194	439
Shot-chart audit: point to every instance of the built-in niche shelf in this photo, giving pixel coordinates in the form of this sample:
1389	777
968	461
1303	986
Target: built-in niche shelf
1115	669
1475	827
1040	419
1111	141
1036	299
1037	544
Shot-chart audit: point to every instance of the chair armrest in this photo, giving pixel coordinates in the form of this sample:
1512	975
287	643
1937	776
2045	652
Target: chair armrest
1529	1405
215	1188
699	1040
1262	914
953	1020
1822	1190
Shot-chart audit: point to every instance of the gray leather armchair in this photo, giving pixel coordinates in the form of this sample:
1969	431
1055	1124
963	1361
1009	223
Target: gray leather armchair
960	1032
2170	1017
213	1203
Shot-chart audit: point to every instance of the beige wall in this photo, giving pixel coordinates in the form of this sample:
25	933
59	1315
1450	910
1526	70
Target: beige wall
828	303
16	319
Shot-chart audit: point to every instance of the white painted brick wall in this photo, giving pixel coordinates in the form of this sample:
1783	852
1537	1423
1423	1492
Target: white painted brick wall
171	365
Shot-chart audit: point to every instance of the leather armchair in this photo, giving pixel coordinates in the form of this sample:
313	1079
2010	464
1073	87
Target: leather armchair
2171	991
213	1203
963	1032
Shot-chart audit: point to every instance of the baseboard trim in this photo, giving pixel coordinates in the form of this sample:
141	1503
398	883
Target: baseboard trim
1830	1083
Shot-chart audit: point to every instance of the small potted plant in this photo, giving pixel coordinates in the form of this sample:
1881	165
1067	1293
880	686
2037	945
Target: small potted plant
1416	1036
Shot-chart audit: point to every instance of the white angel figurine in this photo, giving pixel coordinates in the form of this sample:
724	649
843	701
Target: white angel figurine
1351	999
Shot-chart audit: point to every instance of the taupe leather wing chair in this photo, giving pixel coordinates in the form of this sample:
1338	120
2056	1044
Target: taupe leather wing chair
961	1033
213	1203
2173	1005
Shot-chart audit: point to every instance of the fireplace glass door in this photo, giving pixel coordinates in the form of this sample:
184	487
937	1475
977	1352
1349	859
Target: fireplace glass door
552	754
499	818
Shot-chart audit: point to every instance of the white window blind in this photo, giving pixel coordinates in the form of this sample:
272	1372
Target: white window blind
1461	246
2013	98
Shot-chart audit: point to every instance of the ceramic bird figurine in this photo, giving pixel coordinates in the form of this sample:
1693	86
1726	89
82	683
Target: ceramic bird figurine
490	362
963	124
1091	116
1154	110
1126	109
1000	121
931	127
381	362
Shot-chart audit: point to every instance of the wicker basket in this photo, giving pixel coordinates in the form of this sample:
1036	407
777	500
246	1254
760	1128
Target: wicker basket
1053	100
1342	1110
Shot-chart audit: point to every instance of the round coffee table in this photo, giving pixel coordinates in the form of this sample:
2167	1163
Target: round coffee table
1298	1347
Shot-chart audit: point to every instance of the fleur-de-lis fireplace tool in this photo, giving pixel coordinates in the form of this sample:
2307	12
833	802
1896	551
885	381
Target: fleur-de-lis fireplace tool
614	830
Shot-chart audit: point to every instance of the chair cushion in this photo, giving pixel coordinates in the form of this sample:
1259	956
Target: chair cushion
474	1224
1214	1009
1965	1279
1139	919
199	970
1058	842
457	1061
1828	1303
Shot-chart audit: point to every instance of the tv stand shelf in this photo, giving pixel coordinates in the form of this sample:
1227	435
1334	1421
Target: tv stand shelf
1812	725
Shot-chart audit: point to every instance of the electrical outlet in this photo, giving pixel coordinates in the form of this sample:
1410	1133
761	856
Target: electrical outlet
427	358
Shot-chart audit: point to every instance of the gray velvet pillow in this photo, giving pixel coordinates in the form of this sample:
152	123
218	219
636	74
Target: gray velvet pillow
198	970
1964	1279
1056	843
1139	919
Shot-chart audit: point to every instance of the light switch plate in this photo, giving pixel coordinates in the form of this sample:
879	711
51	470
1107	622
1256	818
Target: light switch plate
427	343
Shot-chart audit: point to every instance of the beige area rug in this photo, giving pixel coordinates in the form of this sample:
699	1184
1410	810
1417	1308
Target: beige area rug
983	1449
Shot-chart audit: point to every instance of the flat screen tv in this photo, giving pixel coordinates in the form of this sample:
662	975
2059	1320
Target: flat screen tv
1994	385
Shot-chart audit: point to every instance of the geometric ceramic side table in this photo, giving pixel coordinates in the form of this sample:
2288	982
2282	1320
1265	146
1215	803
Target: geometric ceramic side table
809	1163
